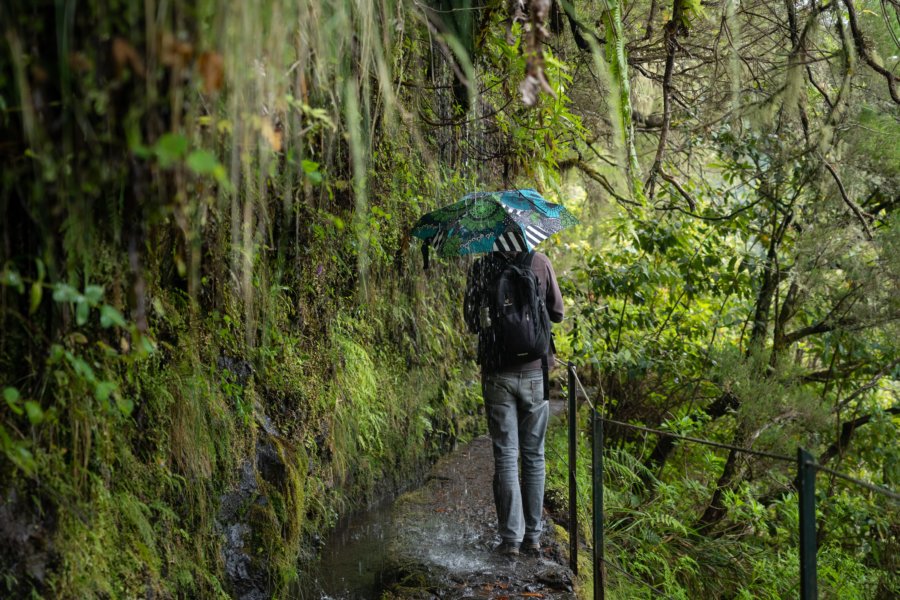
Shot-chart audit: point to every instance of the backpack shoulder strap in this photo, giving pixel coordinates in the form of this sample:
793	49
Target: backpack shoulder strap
526	259
499	261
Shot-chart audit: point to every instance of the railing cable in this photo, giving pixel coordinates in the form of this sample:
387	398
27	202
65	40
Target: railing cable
688	438
869	486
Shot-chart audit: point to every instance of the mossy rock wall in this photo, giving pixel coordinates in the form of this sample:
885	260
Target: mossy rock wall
235	460
215	332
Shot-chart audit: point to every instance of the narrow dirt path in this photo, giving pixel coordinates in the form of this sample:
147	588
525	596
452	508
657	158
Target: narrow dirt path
442	539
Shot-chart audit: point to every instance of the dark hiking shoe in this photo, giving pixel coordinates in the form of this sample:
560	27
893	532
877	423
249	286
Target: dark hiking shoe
531	549
508	548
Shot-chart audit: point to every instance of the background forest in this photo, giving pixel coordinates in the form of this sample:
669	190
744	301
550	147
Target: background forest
216	335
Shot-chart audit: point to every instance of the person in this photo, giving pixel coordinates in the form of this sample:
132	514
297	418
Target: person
516	407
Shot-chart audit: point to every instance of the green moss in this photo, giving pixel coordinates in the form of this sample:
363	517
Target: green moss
356	411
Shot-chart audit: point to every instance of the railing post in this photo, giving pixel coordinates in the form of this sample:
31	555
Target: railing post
806	475
573	490
597	486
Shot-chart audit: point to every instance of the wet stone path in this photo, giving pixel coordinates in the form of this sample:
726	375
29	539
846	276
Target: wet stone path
441	540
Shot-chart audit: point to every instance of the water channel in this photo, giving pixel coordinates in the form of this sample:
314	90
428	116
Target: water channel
353	559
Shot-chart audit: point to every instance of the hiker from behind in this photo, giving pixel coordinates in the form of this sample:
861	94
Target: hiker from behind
510	300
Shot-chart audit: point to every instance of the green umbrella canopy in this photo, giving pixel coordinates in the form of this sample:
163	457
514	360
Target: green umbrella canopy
507	221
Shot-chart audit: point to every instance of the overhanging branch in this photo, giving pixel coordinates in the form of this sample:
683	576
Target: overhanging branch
596	176
868	385
861	49
847	430
853	206
672	28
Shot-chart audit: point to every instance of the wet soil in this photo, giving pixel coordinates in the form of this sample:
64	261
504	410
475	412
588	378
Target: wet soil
442	538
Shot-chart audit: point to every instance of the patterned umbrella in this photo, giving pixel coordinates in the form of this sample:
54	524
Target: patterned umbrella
509	221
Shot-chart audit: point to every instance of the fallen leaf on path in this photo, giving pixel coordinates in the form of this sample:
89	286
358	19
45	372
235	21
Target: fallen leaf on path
531	595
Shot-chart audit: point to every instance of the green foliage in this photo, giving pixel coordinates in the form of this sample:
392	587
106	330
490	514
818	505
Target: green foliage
163	316
664	323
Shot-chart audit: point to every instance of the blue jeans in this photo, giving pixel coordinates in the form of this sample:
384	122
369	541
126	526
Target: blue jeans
517	420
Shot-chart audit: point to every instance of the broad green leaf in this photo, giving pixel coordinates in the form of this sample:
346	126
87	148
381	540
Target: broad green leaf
109	316
81	367
16	452
24	459
12	279
63	292
146	345
170	148
11	395
82	311
56	353
311	169
34	411
221	176
103	389
141	151
202	162
124	404
93	293
37	292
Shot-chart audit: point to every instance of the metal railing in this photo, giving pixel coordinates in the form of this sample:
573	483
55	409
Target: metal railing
807	468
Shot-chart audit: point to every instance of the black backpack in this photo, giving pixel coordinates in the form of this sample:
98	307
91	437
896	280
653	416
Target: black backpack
512	321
